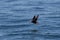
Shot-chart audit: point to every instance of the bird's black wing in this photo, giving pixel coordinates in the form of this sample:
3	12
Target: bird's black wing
33	18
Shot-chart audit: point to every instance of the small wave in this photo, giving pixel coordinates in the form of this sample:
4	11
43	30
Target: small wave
18	10
53	17
37	9
12	34
17	21
52	36
13	26
10	0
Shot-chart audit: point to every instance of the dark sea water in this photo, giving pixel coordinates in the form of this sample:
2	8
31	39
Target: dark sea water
16	15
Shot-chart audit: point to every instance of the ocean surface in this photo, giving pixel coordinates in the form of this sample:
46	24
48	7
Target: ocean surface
16	15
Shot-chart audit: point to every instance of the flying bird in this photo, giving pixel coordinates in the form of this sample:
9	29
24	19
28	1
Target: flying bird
34	19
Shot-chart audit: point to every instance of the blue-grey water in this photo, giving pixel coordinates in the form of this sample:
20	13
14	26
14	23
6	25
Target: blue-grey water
16	15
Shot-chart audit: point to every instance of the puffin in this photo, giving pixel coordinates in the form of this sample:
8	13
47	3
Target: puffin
34	19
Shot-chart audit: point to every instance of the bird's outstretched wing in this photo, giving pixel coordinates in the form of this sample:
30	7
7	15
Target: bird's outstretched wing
33	18
36	18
